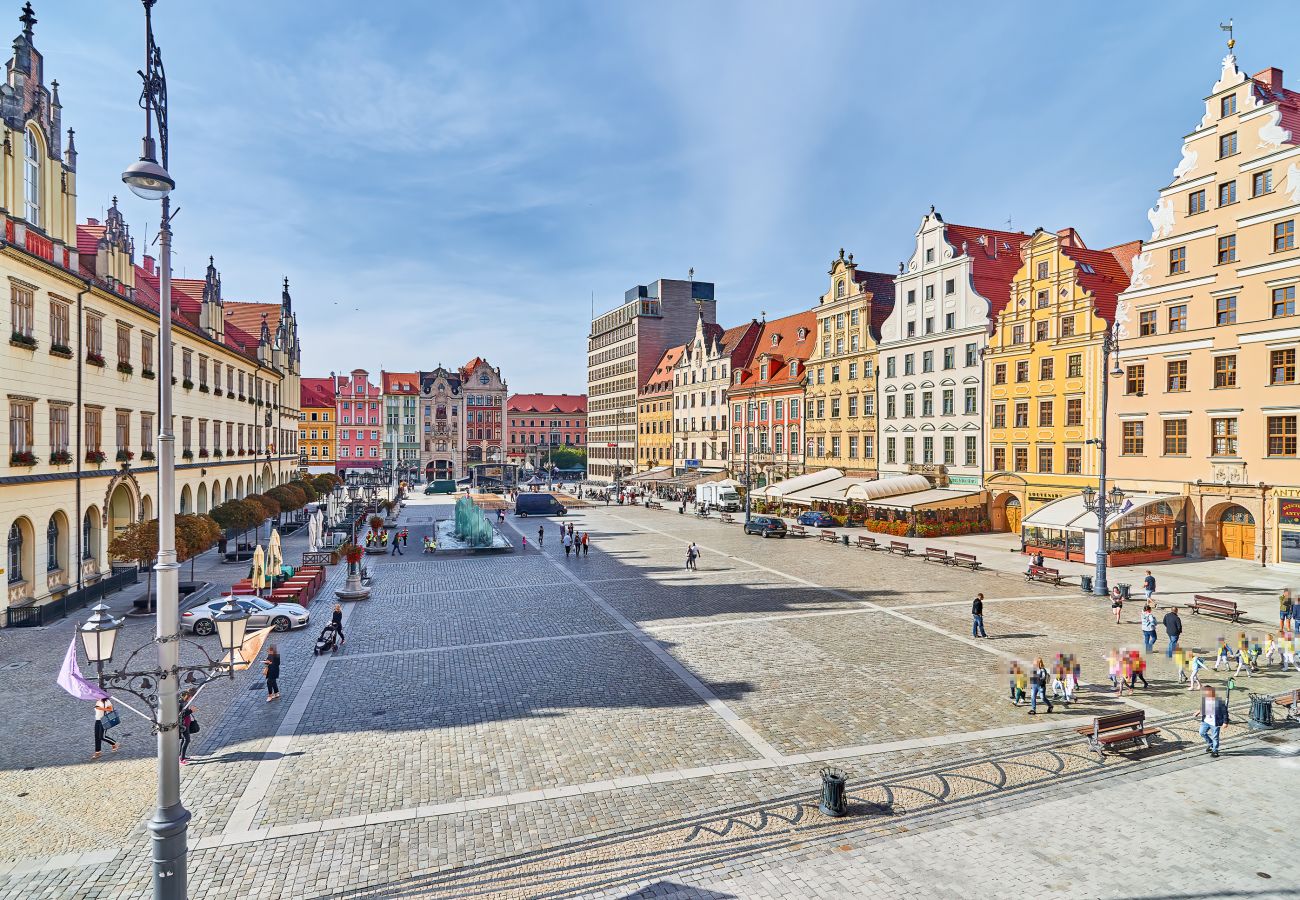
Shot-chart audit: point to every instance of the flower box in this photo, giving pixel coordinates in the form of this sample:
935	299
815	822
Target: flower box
148	373
187	454
1140	556
22	458
95	359
241	396
126	368
217	453
216	392
60	458
96	456
61	350
26	341
187	384
125	456
148	455
203	454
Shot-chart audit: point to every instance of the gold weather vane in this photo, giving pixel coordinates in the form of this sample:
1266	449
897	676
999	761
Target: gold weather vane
1232	42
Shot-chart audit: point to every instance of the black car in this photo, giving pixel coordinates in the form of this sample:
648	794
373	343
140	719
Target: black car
767	526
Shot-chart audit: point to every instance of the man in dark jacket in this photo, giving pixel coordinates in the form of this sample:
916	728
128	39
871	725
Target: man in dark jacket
1173	628
977	617
1213	716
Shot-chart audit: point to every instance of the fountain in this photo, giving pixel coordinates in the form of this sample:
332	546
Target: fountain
469	529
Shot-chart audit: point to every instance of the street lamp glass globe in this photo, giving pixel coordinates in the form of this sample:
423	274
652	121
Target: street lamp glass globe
148	180
231	621
1090	497
99	634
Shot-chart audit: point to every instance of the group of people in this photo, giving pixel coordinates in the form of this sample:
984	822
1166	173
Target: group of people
576	542
381	538
1038	682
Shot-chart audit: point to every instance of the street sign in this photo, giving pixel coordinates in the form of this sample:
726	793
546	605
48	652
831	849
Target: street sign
692	463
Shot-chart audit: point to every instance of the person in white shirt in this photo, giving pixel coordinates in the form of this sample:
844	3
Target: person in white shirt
1213	716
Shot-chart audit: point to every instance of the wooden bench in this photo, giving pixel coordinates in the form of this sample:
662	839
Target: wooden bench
900	547
1043	573
937	554
868	543
1213	606
798	530
653	504
1117	728
728	519
966	561
1290	701
829	536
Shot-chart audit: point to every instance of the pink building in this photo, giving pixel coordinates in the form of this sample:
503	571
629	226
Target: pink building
539	421
360	421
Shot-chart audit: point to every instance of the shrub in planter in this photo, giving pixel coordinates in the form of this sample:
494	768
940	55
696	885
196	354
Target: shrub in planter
126	368
187	384
187	454
148	373
148	454
125	456
61	350
95	359
60	457
18	339
22	458
96	456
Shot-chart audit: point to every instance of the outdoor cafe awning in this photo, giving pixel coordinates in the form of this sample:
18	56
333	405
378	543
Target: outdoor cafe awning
782	489
1070	514
656	474
935	498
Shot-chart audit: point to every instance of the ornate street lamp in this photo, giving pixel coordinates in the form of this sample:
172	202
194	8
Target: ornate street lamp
1097	499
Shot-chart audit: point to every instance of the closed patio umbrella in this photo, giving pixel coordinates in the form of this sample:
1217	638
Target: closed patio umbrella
274	556
257	574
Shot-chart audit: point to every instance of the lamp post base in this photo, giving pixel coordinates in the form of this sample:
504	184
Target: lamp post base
168	827
353	589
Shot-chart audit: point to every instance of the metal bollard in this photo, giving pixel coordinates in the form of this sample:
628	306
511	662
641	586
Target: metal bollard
835	801
1124	590
1261	711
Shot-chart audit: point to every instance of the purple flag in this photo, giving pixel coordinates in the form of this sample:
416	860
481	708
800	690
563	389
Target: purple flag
71	680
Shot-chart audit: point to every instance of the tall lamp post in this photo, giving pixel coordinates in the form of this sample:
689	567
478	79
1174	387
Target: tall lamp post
148	178
1098	500
749	485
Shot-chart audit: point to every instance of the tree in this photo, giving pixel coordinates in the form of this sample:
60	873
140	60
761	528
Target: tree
138	544
238	515
568	457
325	482
309	490
195	534
269	507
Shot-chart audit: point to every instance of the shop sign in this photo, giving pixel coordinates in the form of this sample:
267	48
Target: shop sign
1288	512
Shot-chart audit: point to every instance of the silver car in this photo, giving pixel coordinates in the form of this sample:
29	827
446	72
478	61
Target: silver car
261	613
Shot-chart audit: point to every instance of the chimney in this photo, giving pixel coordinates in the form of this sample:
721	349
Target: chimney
147	263
1272	76
92	221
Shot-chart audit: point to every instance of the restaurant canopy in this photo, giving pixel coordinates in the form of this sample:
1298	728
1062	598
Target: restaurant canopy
935	498
870	491
779	490
656	474
1070	513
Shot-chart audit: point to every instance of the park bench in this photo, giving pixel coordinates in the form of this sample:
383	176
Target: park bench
1290	701
900	547
868	543
937	554
1118	728
829	536
728	519
966	561
653	504
799	530
1043	573
1215	607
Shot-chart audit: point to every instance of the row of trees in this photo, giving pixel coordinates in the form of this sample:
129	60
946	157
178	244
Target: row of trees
197	533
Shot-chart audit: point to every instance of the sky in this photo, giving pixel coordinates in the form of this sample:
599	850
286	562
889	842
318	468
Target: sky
447	180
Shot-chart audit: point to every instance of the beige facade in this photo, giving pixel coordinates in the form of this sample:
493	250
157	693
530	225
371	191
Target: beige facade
701	377
840	415
1209	333
80	393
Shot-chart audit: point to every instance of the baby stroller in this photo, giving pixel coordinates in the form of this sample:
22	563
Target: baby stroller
328	640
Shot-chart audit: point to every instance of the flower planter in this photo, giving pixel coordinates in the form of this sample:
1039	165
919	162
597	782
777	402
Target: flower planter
148	373
94	359
1140	557
60	350
26	341
126	368
24	458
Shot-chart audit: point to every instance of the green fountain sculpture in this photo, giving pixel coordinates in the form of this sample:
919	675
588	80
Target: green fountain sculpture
472	524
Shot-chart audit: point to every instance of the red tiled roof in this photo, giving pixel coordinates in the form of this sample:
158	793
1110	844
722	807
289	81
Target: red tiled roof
400	382
994	261
568	404
1288	102
661	380
881	288
1109	276
317	393
88	239
788	347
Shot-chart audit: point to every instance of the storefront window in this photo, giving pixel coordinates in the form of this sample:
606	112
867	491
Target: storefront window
1288	520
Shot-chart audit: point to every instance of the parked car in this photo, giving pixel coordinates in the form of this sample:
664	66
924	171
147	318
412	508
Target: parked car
767	526
261	613
816	518
441	486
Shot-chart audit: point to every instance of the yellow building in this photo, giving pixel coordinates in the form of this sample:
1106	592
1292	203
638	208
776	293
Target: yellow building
317	435
1043	372
654	414
80	390
840	409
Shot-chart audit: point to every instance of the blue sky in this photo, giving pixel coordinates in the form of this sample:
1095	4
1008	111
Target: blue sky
445	180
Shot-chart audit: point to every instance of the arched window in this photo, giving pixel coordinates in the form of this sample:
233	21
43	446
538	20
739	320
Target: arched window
839	288
87	537
52	546
15	553
32	179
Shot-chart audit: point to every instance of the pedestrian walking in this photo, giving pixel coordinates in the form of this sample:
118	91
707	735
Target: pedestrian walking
541	536
189	725
336	619
692	554
1148	628
1137	669
1038	687
406	537
1286	612
271	671
1116	604
977	617
105	718
1174	629
586	543
1149	585
1018	683
1213	716
568	545
397	545
1195	663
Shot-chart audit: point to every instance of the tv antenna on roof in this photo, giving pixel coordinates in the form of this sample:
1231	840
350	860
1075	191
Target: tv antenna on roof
1232	42
690	273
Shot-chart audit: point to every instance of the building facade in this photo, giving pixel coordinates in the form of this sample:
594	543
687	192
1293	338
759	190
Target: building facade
401	431
840	412
932	350
80	368
317	432
485	403
767	398
701	377
654	414
1044	367
623	348
1209	334
360	417
539	423
442	416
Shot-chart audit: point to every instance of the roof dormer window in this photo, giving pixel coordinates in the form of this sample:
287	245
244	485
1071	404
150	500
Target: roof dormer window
773	340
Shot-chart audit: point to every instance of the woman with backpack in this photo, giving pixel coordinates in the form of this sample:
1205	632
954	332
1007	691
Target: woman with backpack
189	725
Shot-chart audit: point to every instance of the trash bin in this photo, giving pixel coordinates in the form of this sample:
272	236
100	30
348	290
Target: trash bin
1261	711
835	800
1085	583
1123	590
845	539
